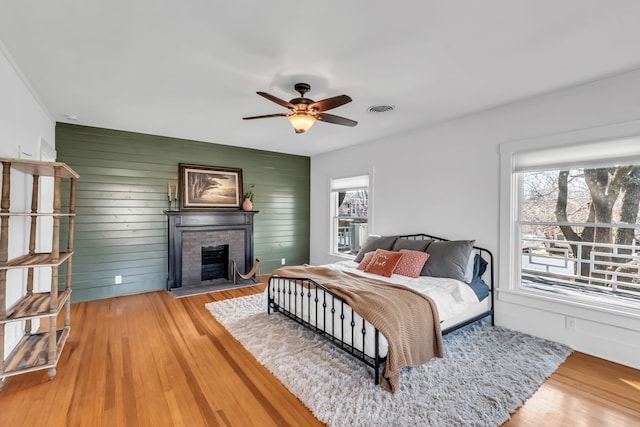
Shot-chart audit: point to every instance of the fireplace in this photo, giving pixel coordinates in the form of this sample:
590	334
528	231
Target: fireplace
214	262
204	244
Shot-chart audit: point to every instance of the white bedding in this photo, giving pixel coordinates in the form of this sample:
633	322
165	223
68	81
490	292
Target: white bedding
454	299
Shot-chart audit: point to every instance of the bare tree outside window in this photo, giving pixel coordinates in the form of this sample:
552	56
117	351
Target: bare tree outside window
589	217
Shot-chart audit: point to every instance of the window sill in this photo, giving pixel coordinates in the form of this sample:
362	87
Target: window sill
604	310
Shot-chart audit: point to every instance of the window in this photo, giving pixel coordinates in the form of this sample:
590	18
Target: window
575	220
350	214
580	230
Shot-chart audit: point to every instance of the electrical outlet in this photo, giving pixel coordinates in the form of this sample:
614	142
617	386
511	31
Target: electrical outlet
570	323
118	280
283	261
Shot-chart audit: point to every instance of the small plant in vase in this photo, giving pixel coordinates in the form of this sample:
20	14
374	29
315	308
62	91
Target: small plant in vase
247	205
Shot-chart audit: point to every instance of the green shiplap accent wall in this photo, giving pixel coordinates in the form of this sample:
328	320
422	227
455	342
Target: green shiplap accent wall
120	226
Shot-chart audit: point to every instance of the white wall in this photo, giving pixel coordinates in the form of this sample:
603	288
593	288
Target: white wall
444	180
23	118
24	122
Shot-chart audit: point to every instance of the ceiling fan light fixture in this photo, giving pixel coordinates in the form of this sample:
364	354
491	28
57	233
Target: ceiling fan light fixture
305	111
301	121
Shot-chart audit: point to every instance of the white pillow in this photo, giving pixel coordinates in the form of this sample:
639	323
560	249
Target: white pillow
468	272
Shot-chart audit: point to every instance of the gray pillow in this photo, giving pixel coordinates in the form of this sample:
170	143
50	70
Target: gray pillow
412	245
375	242
448	259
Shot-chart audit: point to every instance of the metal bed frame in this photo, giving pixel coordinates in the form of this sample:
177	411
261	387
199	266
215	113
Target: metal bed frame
281	290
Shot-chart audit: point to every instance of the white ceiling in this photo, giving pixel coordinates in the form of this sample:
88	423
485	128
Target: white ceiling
190	69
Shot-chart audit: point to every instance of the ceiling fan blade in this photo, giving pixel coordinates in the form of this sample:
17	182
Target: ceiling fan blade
265	116
329	103
336	120
277	100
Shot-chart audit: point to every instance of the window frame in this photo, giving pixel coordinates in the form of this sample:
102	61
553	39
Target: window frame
510	288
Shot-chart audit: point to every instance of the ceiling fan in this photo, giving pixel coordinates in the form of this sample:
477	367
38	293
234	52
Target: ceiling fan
305	111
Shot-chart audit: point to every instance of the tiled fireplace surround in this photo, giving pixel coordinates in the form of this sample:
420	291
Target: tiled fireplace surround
190	231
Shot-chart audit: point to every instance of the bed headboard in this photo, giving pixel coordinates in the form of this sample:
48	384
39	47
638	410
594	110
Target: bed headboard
483	252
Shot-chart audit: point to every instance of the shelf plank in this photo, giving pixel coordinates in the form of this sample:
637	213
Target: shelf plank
36	167
36	305
35	260
31	353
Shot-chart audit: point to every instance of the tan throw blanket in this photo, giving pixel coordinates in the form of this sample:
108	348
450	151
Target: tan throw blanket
408	320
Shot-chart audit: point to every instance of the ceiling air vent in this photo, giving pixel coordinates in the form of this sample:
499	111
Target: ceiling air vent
380	108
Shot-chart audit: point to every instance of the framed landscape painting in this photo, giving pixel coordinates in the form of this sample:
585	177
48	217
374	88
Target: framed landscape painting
209	187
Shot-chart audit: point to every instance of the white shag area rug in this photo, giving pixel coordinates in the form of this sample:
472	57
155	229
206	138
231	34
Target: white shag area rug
486	374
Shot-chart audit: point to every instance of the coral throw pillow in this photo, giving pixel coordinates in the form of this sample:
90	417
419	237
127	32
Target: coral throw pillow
383	262
411	263
366	260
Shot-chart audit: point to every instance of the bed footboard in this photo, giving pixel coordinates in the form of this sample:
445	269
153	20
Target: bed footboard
328	315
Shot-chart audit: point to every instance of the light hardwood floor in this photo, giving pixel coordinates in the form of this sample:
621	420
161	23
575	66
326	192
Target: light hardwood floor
153	360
